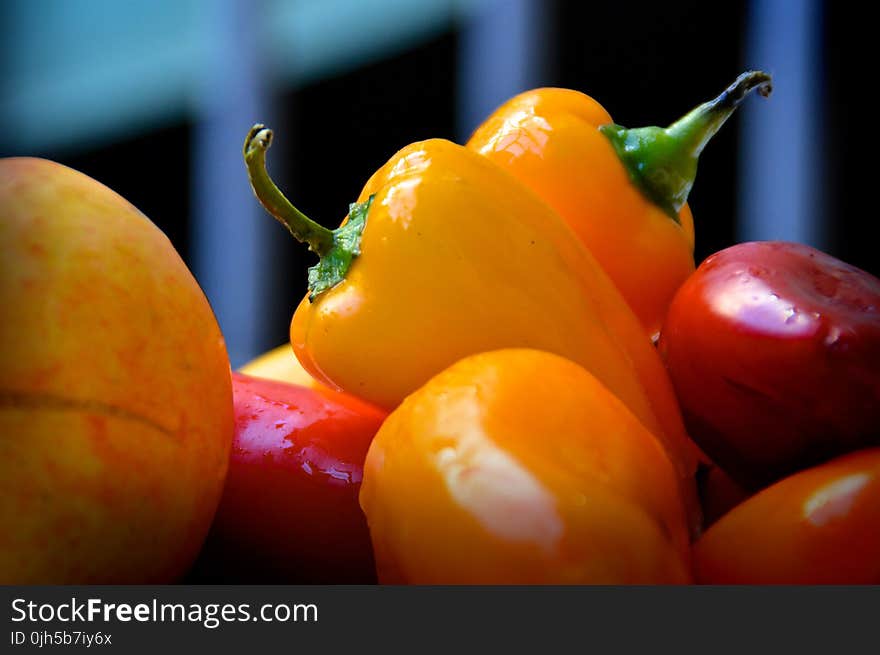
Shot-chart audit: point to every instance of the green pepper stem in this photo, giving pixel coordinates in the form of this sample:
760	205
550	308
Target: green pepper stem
694	130
663	162
303	229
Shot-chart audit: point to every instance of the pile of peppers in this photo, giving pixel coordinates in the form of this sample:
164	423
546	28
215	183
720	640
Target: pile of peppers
508	325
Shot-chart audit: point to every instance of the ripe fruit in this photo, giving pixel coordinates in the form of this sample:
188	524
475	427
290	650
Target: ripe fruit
289	512
520	467
115	391
818	526
774	352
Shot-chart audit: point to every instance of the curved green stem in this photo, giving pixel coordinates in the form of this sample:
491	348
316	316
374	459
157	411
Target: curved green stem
303	229
336	248
693	130
663	161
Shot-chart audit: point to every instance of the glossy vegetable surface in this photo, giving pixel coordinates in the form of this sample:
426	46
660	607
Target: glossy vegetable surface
456	258
518	466
819	526
774	351
622	191
289	511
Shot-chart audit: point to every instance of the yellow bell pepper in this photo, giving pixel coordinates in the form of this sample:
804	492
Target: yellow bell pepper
280	364
446	255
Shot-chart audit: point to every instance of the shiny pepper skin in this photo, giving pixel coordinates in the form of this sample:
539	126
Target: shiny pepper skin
289	511
458	258
774	351
554	141
818	526
548	138
519	467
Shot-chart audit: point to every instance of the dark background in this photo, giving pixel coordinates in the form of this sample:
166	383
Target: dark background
646	62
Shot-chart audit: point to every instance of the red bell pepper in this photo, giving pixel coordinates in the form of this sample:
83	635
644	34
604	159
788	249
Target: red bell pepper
289	511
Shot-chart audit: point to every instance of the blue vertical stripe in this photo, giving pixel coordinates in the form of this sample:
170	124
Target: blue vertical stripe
503	51
228	231
781	192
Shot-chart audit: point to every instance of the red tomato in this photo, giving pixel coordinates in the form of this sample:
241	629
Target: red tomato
819	526
774	352
289	512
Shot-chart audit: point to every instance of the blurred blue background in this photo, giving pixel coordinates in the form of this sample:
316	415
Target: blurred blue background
154	97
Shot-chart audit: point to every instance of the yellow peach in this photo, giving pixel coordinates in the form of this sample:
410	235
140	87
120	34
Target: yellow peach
116	414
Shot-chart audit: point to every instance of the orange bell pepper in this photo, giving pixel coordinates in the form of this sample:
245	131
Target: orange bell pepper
623	191
445	255
519	467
